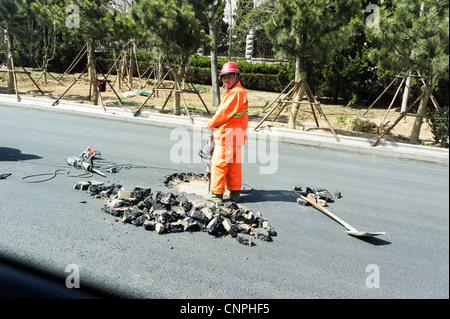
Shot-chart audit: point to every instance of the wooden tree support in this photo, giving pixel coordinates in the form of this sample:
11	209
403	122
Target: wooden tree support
77	59
126	69
93	83
44	74
409	109
176	87
15	72
403	77
148	77
281	104
402	115
120	76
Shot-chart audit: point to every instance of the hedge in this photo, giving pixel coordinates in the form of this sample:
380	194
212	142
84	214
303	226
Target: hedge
251	81
254	76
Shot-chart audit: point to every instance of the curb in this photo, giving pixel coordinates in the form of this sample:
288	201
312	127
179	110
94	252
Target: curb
313	139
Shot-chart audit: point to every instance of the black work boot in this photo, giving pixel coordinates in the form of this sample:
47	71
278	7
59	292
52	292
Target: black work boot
214	197
235	196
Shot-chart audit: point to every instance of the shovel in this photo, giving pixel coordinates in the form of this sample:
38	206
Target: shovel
350	229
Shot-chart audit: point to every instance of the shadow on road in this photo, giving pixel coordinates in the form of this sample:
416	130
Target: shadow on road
8	154
257	196
376	241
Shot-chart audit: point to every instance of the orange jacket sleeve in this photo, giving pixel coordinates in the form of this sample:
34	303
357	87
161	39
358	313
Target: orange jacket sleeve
227	109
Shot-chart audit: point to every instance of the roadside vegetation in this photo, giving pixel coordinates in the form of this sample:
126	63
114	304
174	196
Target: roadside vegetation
349	52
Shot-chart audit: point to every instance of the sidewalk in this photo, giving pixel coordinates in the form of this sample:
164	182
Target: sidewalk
348	144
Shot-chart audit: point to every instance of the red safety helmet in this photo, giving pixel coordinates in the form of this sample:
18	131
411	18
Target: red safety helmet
229	68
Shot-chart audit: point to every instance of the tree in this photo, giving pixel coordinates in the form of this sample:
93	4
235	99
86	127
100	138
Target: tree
96	23
258	16
12	19
347	75
176	27
311	31
44	25
214	67
413	36
241	25
221	25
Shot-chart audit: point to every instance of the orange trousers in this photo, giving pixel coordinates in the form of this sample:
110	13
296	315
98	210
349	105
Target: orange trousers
226	169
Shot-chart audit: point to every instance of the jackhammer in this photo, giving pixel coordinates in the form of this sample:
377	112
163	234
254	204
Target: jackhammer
206	154
85	161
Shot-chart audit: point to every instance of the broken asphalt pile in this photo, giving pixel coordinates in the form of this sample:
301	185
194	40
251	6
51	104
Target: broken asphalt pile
320	196
166	212
176	178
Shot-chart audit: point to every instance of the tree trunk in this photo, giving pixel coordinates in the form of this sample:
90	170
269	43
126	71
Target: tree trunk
214	67
179	76
11	86
300	74
92	74
159	72
337	91
415	133
123	71
130	68
406	92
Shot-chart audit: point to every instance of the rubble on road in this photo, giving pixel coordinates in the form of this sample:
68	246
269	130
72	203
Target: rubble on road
320	196
166	212
176	178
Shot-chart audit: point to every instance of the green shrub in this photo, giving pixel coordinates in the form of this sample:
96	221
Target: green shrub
199	75
254	76
439	124
199	62
263	82
251	81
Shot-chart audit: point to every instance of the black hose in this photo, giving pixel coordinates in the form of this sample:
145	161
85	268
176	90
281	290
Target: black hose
53	175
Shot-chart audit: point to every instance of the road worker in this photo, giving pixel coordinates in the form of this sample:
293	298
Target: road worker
229	132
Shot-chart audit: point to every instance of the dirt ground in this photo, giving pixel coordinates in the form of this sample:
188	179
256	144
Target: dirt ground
346	121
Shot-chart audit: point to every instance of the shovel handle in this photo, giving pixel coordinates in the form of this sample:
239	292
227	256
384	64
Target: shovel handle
326	211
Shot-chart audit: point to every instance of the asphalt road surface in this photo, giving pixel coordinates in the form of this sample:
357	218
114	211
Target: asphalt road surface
55	228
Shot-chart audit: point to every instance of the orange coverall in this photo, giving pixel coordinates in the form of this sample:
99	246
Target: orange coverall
230	123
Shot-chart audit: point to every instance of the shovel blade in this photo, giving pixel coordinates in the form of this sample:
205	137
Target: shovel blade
358	233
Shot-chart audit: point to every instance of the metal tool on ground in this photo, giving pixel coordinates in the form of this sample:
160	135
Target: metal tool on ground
350	229
89	153
85	161
3	176
88	156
